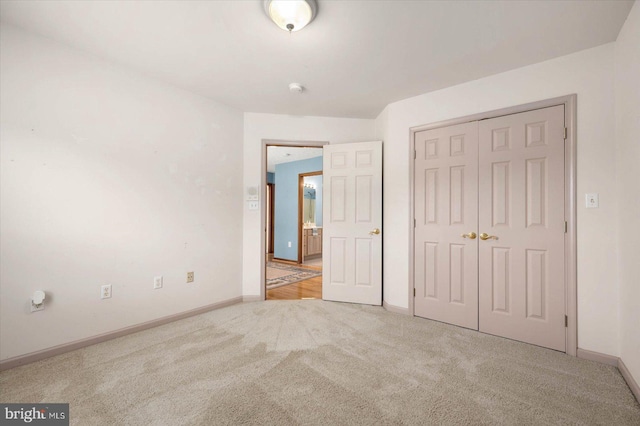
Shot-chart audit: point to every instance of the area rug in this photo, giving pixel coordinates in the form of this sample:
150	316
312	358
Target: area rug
279	274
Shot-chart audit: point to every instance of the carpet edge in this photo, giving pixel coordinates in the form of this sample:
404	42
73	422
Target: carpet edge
597	357
631	382
613	361
396	309
19	360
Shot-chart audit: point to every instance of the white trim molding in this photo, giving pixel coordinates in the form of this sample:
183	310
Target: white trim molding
598	357
613	361
78	344
396	309
631	382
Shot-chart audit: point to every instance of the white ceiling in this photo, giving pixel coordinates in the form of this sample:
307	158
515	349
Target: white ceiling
353	59
287	154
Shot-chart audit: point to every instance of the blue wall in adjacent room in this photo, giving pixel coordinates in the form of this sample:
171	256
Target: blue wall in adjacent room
286	205
271	177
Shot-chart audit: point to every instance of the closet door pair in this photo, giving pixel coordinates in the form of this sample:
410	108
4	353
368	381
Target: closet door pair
490	226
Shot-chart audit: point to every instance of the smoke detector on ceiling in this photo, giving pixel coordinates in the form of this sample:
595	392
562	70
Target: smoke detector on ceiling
296	88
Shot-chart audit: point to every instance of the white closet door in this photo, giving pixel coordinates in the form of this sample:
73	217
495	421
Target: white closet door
521	206
446	262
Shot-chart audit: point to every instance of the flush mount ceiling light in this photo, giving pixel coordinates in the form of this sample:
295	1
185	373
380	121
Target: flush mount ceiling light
291	15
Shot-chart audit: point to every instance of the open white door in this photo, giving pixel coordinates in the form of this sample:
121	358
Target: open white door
352	223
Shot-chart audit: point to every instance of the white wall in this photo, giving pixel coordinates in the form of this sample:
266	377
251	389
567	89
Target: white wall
589	74
627	110
108	177
287	128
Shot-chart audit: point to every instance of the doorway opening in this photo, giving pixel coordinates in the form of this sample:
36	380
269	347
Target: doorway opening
293	258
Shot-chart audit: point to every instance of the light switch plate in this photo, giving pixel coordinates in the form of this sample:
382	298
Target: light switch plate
253	193
157	282
591	201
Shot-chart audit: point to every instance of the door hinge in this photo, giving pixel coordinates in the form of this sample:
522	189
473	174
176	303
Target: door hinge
414	223
415	154
566	226
414	292
566	321
565	132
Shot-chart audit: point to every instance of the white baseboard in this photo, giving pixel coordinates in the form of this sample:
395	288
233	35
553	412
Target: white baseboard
254	298
633	385
615	362
72	346
597	357
395	309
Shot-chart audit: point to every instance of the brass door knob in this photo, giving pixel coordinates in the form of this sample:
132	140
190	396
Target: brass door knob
484	236
470	235
376	231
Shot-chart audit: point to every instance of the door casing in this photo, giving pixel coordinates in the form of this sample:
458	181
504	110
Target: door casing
570	244
270	210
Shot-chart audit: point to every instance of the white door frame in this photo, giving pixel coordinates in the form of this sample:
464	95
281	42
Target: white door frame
570	244
263	201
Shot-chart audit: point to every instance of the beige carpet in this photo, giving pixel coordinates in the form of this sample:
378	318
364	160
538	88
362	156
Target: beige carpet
315	362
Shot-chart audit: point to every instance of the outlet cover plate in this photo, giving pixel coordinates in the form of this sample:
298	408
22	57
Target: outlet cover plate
190	277
157	282
105	291
35	308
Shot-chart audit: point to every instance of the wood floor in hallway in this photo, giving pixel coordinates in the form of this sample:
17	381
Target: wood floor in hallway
307	289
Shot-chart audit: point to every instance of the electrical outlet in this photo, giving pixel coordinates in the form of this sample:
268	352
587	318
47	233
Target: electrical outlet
105	291
37	300
157	282
189	277
289	244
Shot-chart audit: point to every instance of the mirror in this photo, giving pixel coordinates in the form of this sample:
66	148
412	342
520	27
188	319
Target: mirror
309	204
312	201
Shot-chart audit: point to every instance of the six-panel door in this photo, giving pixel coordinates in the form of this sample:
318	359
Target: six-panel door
502	179
446	211
352	223
521	193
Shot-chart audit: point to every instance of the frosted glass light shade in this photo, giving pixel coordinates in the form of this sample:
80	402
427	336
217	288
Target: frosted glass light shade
291	15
